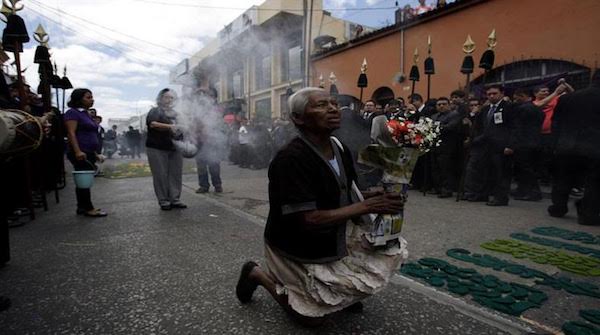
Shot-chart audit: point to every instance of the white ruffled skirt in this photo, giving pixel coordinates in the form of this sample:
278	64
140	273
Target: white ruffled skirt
315	290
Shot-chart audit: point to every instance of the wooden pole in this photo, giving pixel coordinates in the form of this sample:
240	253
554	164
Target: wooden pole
428	87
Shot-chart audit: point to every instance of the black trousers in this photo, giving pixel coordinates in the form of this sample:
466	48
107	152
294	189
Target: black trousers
4	240
589	210
526	172
445	170
568	170
477	173
501	175
84	195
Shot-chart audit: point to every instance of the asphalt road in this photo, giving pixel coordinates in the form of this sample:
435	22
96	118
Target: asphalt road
142	270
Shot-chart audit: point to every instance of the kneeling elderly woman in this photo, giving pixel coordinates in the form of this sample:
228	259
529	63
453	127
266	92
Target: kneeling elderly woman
317	261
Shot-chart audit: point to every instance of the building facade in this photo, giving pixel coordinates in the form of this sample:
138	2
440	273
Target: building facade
257	58
537	40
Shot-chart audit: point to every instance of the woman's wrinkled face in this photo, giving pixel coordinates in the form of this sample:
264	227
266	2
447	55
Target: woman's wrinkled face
88	100
168	99
322	114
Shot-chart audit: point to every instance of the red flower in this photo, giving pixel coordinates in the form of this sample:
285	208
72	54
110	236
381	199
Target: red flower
397	128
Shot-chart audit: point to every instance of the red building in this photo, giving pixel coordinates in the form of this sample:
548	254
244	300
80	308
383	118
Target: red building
538	41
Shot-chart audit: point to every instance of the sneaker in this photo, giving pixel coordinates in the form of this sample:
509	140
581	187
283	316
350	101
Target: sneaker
202	190
218	189
179	205
166	207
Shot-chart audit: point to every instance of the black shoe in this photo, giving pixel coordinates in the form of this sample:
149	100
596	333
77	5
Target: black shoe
495	203
477	199
445	195
218	189
165	207
202	190
557	211
528	197
179	205
246	287
4	303
355	308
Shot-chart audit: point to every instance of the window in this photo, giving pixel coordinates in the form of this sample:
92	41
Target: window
284	109
235	84
263	109
217	86
291	63
263	71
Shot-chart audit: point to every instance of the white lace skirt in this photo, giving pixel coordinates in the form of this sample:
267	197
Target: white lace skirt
315	290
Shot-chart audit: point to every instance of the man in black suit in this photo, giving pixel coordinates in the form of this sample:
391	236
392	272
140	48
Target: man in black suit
576	127
421	177
528	124
446	156
490	163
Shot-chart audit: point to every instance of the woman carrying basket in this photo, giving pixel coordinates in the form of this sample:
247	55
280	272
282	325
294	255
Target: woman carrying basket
82	133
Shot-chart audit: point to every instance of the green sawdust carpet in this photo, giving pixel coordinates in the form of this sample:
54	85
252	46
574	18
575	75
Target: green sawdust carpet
565	234
581	265
560	283
557	244
582	328
486	290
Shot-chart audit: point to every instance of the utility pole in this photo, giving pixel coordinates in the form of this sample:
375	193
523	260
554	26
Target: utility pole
304	51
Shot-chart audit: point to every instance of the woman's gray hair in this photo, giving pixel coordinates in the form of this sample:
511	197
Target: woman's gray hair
298	101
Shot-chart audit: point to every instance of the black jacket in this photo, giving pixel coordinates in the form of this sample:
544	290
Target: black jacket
451	131
300	180
528	125
576	123
495	134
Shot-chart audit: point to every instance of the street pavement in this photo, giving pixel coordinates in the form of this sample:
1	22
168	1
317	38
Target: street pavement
146	271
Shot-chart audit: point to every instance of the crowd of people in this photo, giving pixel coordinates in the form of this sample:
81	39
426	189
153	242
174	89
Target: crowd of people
489	144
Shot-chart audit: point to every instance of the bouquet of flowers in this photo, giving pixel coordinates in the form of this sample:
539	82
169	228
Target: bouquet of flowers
398	146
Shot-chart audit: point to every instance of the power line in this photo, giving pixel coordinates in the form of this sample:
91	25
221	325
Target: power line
119	51
60	11
125	45
121	47
175	4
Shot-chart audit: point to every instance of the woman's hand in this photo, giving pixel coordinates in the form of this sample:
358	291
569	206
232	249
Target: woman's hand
388	203
80	156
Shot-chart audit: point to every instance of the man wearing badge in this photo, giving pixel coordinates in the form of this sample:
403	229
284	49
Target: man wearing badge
490	164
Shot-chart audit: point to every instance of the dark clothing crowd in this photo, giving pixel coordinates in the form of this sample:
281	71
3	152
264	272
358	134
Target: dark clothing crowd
500	147
254	144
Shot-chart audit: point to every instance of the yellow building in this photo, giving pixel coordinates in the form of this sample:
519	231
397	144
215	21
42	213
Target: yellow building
257	57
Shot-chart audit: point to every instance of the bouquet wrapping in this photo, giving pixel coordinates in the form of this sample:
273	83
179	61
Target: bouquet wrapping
398	147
